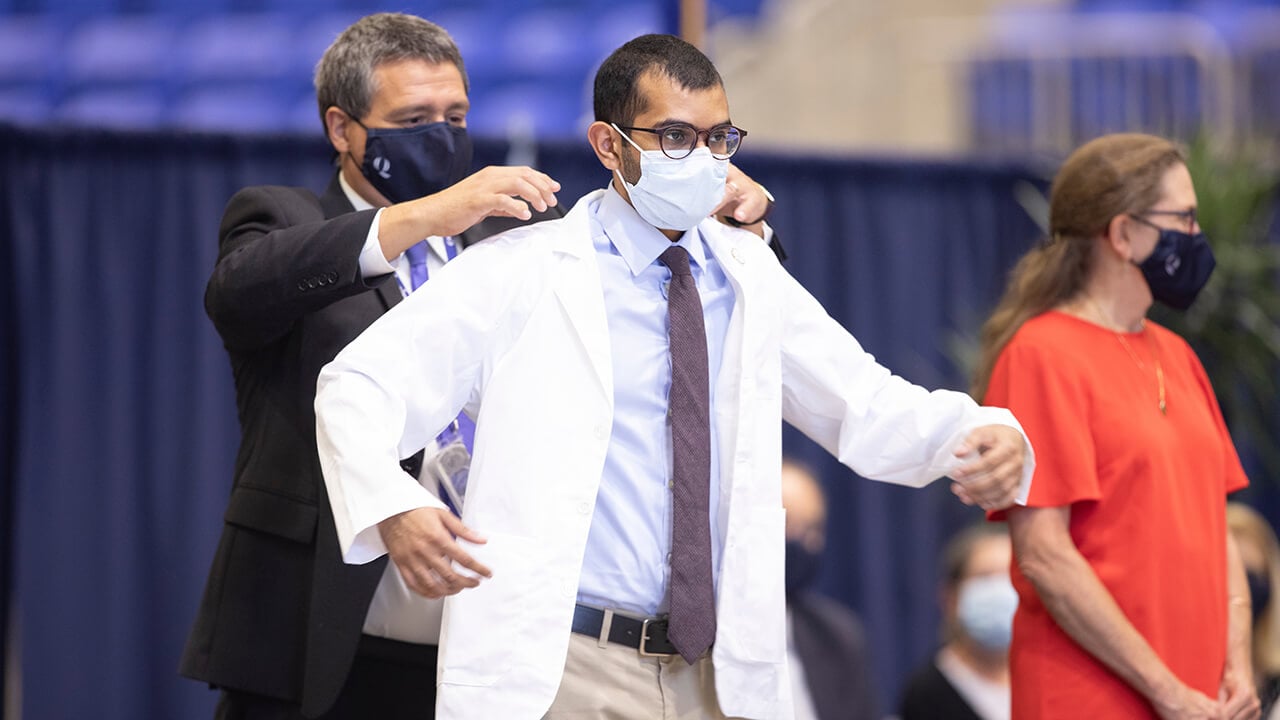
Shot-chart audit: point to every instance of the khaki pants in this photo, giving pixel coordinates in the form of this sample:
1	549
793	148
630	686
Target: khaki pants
615	682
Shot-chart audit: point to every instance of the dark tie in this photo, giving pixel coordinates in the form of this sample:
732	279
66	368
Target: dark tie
693	612
417	255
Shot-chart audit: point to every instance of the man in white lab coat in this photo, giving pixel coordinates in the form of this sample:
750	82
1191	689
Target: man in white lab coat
572	559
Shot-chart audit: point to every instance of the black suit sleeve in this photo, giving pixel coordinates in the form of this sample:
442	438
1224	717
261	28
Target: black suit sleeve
278	260
776	246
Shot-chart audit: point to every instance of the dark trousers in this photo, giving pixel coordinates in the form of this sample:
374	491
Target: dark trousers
389	680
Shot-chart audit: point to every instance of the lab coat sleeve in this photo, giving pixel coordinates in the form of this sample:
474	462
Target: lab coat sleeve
403	380
873	421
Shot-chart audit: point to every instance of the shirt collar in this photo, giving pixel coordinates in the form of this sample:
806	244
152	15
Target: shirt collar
353	197
638	242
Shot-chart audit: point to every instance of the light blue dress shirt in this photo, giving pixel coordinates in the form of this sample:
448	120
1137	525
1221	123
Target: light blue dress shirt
626	565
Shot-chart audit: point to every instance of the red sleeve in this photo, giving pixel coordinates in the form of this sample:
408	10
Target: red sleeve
1048	392
1233	477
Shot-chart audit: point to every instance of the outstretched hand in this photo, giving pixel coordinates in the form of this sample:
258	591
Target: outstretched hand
496	190
423	545
493	191
991	480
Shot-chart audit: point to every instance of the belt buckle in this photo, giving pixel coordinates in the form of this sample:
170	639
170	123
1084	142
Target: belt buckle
644	638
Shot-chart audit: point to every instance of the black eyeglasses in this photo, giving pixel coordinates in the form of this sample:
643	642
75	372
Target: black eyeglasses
678	140
1187	216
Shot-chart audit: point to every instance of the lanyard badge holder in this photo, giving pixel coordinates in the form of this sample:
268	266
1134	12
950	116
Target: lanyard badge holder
447	470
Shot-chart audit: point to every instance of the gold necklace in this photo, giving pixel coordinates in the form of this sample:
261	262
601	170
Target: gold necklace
1155	352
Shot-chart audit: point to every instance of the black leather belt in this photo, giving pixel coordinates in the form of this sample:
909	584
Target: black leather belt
648	635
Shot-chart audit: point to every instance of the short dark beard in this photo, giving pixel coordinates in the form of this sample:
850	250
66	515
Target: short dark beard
630	163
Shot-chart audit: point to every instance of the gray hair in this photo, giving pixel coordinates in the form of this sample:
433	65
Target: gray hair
344	75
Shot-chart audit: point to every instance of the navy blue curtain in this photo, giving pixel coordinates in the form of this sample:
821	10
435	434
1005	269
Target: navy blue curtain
117	419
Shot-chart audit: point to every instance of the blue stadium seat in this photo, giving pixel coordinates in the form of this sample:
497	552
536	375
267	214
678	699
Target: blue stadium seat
79	8
30	49
1158	94
546	43
477	33
1264	92
26	106
615	26
239	46
135	108
749	9
303	116
1131	5
548	110
314	36
237	106
121	48
1000	104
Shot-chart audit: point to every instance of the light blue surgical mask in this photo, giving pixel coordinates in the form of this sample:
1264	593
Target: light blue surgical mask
985	610
676	194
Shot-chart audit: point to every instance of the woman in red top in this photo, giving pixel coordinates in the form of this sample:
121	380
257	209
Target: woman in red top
1133	601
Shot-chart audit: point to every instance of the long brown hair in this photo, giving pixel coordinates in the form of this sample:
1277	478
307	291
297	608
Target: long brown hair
1106	177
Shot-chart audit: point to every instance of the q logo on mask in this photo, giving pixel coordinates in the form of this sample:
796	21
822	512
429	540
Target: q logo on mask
1172	264
383	166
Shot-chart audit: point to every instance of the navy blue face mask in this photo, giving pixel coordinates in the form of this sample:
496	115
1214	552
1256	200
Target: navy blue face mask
1259	592
1179	266
407	163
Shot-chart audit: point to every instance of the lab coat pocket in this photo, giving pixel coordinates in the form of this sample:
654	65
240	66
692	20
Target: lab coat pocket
481	623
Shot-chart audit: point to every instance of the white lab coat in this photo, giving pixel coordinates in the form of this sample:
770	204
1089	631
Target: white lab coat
515	329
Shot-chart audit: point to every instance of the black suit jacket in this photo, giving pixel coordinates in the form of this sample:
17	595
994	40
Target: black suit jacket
929	695
282	613
833	650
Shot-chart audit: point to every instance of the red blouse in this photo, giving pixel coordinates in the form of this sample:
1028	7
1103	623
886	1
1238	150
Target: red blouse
1147	493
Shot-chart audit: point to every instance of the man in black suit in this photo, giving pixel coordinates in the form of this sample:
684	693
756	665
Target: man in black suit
286	629
281	626
826	646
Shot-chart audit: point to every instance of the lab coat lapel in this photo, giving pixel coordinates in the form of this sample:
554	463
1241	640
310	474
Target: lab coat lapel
579	291
742	273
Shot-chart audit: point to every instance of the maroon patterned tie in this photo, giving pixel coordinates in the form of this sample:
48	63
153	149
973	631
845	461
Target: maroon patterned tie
692	625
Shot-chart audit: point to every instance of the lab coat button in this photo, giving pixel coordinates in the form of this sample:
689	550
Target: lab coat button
584	508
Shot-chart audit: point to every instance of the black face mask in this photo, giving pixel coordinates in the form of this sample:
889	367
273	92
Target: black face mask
408	163
1178	268
802	567
1259	592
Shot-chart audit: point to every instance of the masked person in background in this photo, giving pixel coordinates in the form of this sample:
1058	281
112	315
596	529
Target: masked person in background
968	679
286	629
1133	601
826	645
628	366
1260	555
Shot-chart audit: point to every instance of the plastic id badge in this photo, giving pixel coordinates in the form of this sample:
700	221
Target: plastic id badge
448	470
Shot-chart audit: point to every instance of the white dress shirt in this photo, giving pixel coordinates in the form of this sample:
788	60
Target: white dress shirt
626	563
